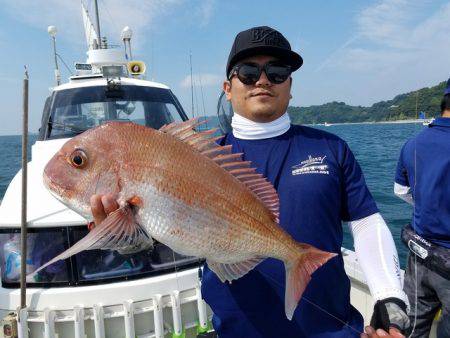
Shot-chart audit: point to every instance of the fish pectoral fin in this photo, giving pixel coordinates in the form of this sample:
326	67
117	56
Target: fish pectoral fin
118	231
232	271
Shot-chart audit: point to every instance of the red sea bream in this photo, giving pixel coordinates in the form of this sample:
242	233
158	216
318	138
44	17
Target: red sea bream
179	187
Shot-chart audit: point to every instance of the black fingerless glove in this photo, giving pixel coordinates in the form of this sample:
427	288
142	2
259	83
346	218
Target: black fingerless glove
390	312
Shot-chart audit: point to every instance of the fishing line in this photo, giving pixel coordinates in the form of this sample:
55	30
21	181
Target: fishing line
314	304
414	228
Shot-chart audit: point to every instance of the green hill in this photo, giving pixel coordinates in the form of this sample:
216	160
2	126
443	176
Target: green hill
401	107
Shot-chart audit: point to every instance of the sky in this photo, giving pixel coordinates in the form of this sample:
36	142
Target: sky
358	52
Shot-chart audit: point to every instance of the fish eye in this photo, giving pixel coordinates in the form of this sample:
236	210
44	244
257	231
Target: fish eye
78	159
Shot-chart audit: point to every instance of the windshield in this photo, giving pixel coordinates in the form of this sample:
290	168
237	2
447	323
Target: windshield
75	110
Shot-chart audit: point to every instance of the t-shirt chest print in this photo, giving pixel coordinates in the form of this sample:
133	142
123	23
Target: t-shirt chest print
311	165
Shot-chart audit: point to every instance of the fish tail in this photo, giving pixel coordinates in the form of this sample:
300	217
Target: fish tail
298	274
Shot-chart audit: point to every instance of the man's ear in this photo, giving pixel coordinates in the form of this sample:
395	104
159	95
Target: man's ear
290	87
227	89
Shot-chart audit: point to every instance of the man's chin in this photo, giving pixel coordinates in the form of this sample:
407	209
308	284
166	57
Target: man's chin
263	115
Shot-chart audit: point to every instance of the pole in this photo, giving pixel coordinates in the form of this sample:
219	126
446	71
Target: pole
129	48
23	225
417	98
57	75
97	23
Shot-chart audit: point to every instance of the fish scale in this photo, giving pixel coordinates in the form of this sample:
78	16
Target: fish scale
179	187
162	221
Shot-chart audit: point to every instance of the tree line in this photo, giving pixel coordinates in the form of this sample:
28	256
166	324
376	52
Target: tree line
402	107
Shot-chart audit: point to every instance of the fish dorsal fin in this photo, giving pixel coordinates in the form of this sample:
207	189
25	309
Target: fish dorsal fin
205	143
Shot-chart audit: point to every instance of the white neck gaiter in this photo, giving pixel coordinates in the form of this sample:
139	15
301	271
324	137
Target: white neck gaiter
246	129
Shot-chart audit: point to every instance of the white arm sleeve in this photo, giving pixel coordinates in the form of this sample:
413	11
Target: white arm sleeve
377	255
403	192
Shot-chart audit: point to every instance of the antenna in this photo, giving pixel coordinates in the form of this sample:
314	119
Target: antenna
152	62
126	37
52	32
203	100
97	23
192	85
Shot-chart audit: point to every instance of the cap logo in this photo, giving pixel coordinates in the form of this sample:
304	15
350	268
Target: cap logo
268	36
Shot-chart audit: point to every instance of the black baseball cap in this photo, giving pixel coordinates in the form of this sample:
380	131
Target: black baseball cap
262	40
447	88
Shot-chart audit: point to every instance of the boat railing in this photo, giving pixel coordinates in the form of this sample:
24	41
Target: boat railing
161	306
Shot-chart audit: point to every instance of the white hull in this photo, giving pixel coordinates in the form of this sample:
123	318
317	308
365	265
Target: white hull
149	307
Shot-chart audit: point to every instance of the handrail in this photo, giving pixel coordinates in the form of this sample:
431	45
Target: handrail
129	309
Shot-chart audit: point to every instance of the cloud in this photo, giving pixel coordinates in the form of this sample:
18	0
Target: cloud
202	79
386	23
392	28
114	16
398	45
206	11
141	15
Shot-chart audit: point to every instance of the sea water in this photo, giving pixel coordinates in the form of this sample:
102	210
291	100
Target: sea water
376	147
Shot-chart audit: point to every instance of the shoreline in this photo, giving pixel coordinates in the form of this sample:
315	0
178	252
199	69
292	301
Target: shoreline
370	122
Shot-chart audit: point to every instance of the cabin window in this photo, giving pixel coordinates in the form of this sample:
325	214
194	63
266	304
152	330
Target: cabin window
75	110
42	246
85	268
98	265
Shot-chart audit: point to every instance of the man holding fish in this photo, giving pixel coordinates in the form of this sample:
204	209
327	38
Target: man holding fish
268	242
319	184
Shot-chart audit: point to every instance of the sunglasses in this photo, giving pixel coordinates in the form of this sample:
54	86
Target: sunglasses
249	73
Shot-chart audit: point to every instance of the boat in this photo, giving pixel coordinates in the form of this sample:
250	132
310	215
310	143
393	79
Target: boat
326	124
422	118
102	293
96	293
427	122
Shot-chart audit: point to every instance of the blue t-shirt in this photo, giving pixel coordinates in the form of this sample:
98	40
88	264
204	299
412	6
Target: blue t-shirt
319	184
424	165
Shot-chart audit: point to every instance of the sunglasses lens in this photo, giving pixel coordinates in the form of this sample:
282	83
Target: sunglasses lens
248	74
278	73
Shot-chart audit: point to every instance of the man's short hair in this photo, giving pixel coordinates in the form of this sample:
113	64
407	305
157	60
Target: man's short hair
445	103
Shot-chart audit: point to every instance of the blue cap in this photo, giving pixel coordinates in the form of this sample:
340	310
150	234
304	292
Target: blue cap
447	88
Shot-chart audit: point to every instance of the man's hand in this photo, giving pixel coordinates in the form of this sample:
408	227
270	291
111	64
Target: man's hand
102	206
371	333
390	313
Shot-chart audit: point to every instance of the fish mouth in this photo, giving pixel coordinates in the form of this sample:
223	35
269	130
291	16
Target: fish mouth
53	187
55	190
58	192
